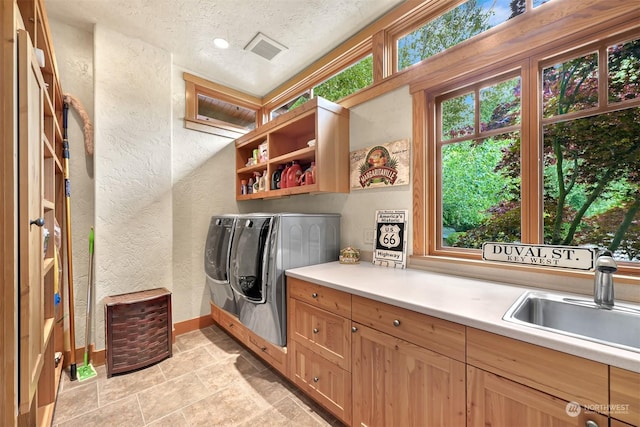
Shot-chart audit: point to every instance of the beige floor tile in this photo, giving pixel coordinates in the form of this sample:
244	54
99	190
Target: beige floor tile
224	346
268	387
226	372
123	385
174	419
75	401
187	361
123	413
210	381
170	396
286	412
195	339
228	407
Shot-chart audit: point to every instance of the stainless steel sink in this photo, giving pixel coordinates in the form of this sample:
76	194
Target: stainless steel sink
578	317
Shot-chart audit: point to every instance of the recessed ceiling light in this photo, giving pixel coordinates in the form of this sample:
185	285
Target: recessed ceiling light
221	43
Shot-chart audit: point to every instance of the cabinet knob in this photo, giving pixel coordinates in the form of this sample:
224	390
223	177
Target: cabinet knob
354	329
316	330
396	322
591	423
316	379
314	295
38	221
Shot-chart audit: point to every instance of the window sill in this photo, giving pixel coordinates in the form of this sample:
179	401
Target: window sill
215	130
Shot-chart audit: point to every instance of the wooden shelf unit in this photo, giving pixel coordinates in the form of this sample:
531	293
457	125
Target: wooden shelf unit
41	195
287	138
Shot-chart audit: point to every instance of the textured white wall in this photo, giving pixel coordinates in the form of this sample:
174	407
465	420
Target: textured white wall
76	77
133	210
203	185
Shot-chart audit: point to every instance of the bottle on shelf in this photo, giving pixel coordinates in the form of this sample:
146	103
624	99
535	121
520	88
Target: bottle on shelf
293	174
276	177
243	186
283	176
262	182
250	186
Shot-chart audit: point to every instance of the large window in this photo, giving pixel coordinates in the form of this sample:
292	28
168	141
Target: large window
455	26
585	129
591	132
479	135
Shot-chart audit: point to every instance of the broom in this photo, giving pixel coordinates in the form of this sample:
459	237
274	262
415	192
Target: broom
87	371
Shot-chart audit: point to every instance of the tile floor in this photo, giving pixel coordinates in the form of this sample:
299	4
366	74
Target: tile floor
211	380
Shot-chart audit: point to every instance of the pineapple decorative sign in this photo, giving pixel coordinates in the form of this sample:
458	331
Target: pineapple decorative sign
385	165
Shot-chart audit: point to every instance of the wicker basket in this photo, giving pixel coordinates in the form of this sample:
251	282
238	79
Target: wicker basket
138	330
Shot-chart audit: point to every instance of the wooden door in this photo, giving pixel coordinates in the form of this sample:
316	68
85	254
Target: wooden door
31	88
396	383
498	402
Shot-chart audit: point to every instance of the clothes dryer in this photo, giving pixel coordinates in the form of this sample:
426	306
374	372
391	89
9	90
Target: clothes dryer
216	261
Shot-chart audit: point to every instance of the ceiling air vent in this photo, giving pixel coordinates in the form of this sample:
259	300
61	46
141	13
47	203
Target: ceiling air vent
264	46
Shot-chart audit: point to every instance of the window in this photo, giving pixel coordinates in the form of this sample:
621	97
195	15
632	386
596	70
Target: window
453	27
347	81
351	79
592	150
479	135
288	106
221	111
586	132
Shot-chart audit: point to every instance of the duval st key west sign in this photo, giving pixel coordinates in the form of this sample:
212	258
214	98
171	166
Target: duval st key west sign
543	255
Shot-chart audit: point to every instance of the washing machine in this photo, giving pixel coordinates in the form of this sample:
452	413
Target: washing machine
216	261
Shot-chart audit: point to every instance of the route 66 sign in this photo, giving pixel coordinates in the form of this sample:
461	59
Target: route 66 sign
391	238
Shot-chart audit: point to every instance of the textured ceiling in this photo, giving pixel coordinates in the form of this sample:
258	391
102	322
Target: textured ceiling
186	28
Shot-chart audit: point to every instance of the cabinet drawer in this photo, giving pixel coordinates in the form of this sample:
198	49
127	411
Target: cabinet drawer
563	375
320	379
232	325
337	302
322	332
625	395
270	353
429	332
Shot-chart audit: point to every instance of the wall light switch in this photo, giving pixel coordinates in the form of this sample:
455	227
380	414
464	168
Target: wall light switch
369	235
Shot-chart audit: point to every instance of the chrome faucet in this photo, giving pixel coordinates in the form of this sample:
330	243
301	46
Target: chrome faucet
603	280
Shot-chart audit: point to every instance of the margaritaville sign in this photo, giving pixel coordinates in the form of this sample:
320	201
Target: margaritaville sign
543	255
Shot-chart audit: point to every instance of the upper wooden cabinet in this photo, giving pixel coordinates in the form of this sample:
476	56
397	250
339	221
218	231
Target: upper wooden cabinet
316	132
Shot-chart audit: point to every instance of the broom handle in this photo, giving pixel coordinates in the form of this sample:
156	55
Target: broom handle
87	332
67	197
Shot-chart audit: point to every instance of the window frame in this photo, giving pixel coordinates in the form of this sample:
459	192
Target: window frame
195	86
429	234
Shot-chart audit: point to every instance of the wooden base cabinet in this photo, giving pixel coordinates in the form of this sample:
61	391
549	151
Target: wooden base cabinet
319	340
397	383
498	402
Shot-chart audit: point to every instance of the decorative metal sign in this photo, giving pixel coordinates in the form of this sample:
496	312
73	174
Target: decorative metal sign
390	245
543	255
385	165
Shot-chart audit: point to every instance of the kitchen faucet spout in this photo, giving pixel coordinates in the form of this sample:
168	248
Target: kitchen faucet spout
603	294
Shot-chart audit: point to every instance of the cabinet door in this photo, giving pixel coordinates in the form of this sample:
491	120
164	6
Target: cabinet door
322	332
625	395
31	88
495	401
396	383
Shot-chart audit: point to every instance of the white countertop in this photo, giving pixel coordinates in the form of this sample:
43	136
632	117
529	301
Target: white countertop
471	302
